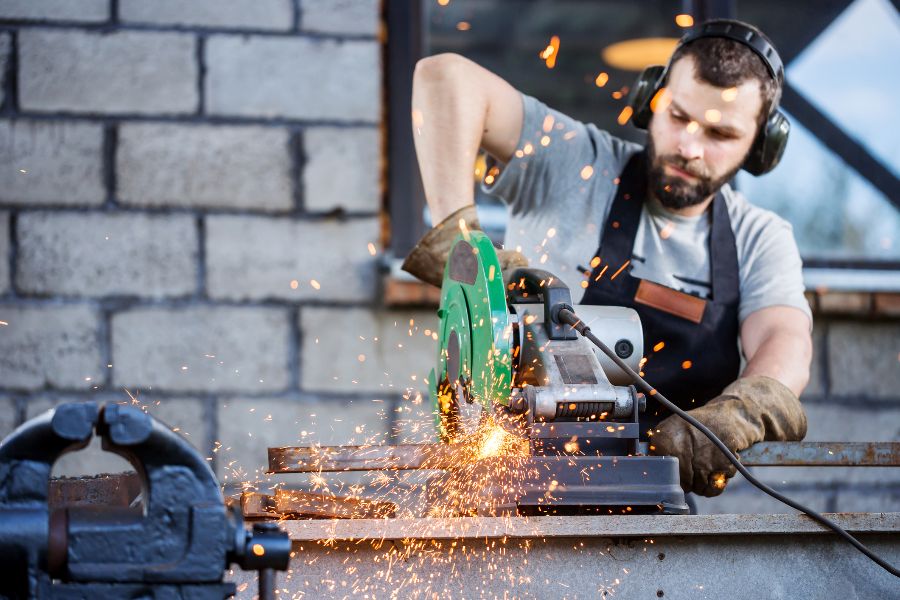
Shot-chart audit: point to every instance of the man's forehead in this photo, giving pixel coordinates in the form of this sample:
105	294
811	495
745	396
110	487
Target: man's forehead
736	106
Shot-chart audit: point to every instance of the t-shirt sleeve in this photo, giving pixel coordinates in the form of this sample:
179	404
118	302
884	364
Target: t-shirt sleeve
772	271
553	158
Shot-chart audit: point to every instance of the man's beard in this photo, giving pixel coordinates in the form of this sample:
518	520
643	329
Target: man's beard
675	192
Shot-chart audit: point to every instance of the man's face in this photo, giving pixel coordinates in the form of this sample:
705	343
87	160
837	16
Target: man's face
699	135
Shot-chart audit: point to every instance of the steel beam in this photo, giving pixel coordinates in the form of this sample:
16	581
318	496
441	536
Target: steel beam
301	459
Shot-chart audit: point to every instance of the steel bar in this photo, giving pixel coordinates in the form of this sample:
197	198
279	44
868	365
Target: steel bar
822	454
301	459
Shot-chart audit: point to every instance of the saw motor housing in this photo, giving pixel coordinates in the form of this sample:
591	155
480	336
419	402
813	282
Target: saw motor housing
502	354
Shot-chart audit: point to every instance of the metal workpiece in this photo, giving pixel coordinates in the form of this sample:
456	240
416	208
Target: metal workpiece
822	454
176	543
741	557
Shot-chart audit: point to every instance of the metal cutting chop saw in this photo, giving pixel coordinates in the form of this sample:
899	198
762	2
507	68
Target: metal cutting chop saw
502	355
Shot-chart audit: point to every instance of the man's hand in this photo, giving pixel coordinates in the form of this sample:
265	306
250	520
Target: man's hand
428	258
752	409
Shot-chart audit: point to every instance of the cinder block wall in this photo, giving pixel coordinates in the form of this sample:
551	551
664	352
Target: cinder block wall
190	213
174	176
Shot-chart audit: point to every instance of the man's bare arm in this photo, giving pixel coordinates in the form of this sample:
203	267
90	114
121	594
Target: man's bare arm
777	343
458	107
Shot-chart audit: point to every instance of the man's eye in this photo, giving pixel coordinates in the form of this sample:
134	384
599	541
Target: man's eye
679	117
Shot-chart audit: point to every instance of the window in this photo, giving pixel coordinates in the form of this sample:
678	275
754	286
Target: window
838	183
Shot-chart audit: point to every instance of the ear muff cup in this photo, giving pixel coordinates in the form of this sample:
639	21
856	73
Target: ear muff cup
645	87
769	145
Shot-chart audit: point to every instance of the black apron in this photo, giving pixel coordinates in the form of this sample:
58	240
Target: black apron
699	356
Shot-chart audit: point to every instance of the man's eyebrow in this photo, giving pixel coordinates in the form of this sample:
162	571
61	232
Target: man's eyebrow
720	129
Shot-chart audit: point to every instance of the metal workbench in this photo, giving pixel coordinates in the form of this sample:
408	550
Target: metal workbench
658	556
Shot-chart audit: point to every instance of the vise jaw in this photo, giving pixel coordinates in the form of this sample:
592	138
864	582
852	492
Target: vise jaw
177	546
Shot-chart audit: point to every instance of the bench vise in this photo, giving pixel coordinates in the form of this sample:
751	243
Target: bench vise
176	546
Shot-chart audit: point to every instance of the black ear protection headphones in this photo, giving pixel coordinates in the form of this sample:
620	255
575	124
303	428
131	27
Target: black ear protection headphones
772	137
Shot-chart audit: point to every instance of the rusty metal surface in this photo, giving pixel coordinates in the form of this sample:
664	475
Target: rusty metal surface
301	459
822	454
312	459
297	504
587	526
116	489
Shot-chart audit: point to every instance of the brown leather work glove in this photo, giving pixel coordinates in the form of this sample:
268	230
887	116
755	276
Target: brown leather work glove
428	258
752	409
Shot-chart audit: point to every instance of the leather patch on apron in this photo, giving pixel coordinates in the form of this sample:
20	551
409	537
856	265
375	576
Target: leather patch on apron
670	301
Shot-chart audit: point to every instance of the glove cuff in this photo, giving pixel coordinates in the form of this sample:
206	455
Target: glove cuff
780	414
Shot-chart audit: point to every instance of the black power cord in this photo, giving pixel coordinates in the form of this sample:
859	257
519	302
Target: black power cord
562	313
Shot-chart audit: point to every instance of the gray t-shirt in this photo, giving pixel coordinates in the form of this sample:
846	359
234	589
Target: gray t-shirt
559	188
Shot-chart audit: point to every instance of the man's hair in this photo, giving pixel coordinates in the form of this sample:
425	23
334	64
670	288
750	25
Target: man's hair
727	63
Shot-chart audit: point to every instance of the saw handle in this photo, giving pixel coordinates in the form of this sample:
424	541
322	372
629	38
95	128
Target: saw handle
528	285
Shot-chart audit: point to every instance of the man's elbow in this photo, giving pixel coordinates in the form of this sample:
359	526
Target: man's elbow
438	69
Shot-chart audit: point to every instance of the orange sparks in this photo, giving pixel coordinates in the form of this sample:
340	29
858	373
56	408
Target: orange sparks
730	94
595	262
687	364
616	274
682	20
712	115
545	140
625	115
258	549
659	346
551	232
443	2
294	284
315	284
692	127
661	100
601	80
372	249
667	230
464	26
361	358
3	323
550	53
548	123
602	271
587	172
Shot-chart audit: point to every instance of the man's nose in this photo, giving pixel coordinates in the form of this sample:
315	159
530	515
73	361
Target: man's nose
690	146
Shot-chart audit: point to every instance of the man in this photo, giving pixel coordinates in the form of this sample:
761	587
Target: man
658	230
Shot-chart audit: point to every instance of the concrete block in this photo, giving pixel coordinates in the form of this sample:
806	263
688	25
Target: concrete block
298	78
241	14
4	253
9	416
817	376
5	46
185	416
201	349
255	258
248	427
864	359
357	17
342	169
113	73
161	164
54	346
103	254
869	500
51	162
366	351
83	11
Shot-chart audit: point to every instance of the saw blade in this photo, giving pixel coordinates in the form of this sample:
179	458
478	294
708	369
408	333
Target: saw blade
474	357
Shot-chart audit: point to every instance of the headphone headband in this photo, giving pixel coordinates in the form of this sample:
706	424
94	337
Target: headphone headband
740	32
